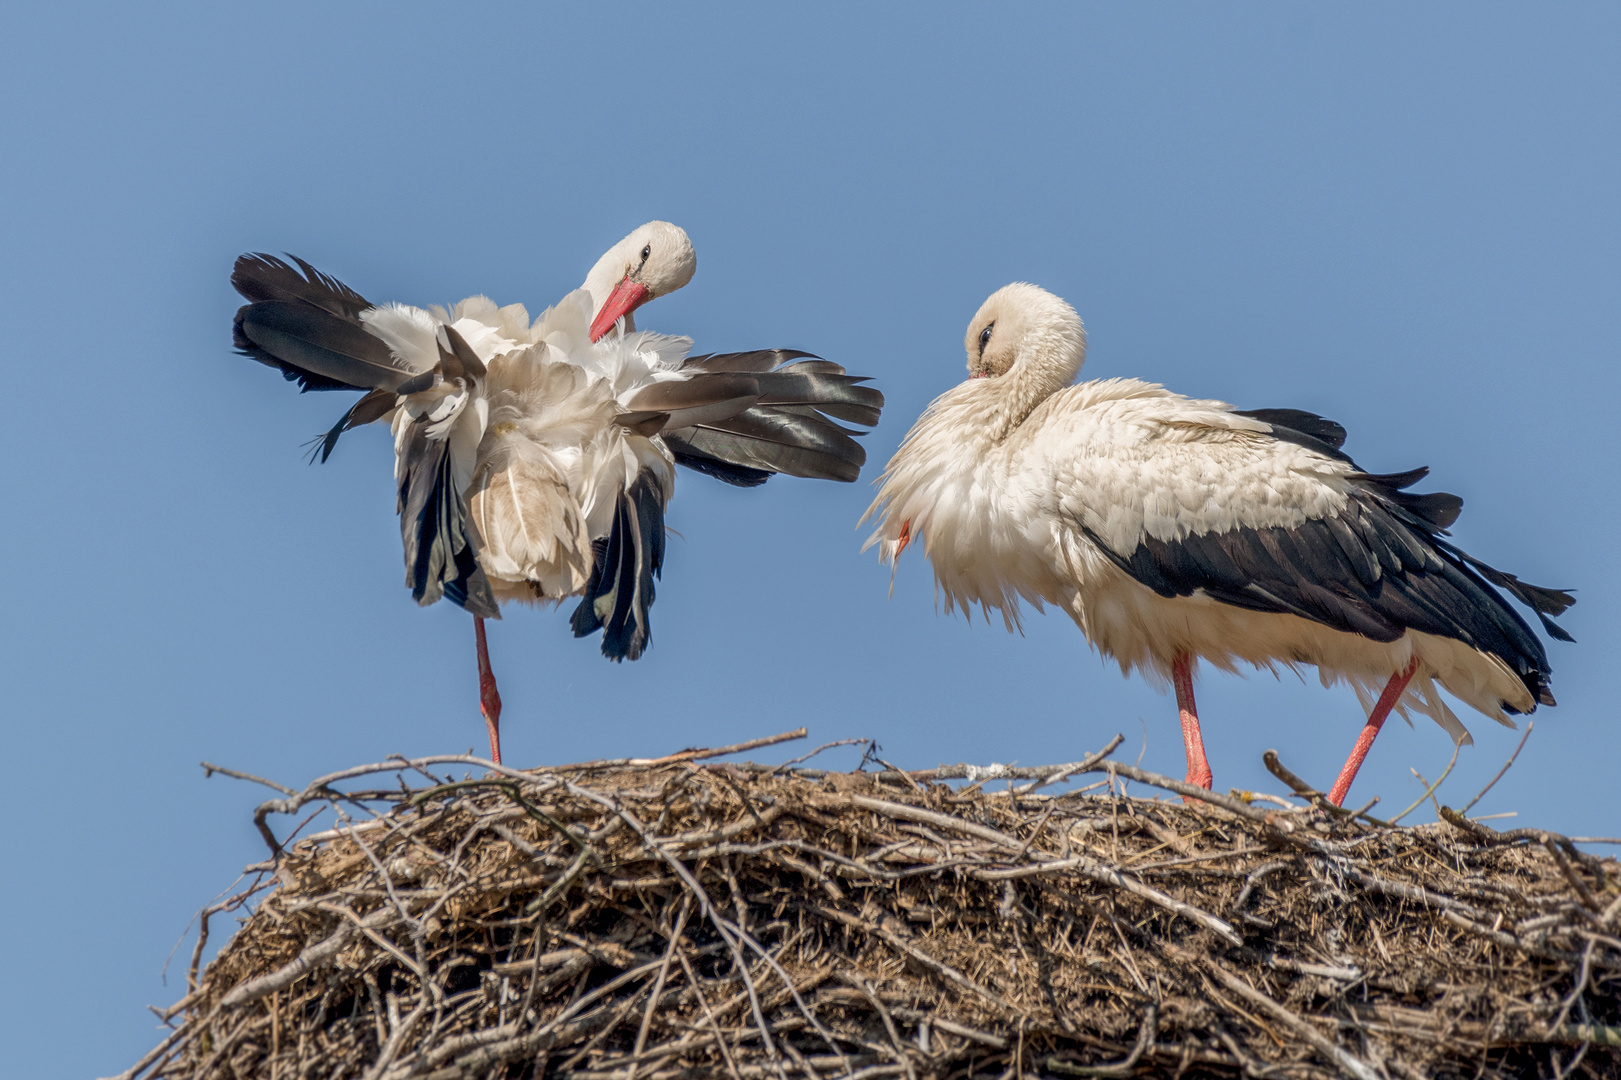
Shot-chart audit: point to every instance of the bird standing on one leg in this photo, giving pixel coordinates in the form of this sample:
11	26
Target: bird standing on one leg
534	460
1173	530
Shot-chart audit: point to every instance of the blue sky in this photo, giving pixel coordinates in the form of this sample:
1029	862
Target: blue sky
1403	217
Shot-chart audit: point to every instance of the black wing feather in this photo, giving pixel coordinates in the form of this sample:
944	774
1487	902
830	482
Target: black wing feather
1302	428
440	559
620	594
791	429
308	327
752	361
1379	567
259	277
725	471
374	406
837	395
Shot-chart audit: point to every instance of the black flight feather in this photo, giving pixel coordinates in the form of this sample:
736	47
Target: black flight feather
840	396
585	618
704	398
790	429
440	559
725	471
755	360
772	439
308	327
259	277
620	593
374	406
458	361
1319	428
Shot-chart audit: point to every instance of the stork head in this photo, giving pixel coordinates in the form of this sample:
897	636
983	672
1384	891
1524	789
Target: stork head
654	260
1028	332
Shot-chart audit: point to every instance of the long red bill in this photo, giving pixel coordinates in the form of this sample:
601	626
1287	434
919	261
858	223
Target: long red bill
627	296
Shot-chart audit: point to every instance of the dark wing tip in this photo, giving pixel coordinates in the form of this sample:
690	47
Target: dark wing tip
1298	421
620	594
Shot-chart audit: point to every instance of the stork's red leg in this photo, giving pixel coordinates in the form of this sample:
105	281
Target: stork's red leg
489	699
1182	677
1370	731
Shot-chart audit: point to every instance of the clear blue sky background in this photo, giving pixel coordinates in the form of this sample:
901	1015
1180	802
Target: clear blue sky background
1404	217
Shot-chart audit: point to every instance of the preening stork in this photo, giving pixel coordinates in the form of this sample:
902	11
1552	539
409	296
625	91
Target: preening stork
534	460
1173	529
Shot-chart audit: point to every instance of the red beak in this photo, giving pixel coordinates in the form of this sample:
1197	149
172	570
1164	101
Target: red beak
626	298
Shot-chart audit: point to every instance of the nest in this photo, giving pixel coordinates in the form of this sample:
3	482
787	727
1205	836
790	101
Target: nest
655	919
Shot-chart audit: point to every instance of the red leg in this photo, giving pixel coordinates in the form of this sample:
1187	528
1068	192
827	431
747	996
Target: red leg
1376	720
489	699
1182	677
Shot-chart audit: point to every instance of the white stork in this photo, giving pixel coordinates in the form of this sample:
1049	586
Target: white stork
1172	529
534	459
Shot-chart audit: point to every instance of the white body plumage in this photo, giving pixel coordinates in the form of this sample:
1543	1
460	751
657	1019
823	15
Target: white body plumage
535	447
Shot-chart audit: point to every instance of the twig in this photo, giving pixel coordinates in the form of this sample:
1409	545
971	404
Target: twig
1470	804
698	754
806	757
697	891
1589	901
210	770
1341	1058
302	964
861	985
720	1040
174	1038
1100	873
901	944
1277	768
1578	987
1065	772
664	968
1254	879
1145	1039
1430	791
1088	866
1509	940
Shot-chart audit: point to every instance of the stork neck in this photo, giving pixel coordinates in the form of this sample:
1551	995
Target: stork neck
1045	367
1018	399
608	272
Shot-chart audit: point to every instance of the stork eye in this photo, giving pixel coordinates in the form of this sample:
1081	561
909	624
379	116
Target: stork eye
985	338
647	249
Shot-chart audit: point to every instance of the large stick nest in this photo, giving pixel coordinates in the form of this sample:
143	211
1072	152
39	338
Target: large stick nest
667	918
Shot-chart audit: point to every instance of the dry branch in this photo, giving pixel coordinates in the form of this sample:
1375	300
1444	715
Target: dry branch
661	918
